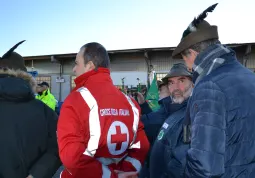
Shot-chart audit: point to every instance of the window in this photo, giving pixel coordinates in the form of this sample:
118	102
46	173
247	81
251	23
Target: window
72	82
41	79
161	75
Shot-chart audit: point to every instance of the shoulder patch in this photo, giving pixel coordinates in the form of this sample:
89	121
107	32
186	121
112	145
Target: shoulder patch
161	134
165	125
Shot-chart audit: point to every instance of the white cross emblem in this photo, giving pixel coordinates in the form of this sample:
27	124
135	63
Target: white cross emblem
117	138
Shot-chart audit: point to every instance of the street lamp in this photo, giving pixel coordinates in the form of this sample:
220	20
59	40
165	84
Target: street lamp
123	83
139	85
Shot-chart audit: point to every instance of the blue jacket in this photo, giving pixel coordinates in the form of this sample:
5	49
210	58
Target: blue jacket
145	108
152	123
222	113
153	120
168	154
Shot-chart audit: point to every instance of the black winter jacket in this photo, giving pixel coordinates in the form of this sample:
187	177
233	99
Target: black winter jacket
27	130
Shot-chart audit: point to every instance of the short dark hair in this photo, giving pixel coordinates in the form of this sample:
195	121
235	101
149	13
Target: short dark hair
201	46
96	53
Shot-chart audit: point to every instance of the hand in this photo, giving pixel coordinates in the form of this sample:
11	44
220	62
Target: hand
140	98
127	175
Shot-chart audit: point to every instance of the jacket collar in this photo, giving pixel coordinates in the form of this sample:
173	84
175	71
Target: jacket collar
171	107
165	100
45	93
210	59
9	73
176	106
94	75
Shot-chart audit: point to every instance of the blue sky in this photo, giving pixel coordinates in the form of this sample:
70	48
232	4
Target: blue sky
63	26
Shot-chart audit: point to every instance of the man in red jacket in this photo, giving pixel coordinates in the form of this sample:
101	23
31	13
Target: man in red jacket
99	129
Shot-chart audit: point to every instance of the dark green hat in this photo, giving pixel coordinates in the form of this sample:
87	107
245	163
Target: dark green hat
13	60
199	30
178	69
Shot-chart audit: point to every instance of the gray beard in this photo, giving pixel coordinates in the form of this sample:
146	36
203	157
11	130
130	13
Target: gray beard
185	96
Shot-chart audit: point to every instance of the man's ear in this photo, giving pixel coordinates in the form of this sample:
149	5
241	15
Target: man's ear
193	52
91	65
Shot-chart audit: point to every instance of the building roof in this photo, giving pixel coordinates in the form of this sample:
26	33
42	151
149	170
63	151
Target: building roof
73	55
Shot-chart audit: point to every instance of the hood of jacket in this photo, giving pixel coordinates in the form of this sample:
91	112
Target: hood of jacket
16	85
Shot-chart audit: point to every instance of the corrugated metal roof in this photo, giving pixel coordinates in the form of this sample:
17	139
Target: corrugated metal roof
72	55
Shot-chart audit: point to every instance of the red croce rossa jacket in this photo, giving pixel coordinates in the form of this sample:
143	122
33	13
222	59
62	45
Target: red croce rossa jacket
99	129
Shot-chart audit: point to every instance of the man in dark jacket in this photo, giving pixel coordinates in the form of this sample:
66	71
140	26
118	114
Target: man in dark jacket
221	110
168	153
153	120
163	94
27	126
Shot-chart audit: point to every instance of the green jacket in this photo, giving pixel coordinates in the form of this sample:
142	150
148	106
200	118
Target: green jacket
48	99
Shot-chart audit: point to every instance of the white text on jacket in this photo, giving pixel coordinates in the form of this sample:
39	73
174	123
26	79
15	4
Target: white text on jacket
114	112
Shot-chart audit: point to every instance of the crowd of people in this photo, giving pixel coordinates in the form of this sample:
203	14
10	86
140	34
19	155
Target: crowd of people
203	128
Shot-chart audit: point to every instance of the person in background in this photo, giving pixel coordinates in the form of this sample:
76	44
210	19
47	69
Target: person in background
163	99
44	94
99	129
220	113
27	126
153	120
144	91
163	90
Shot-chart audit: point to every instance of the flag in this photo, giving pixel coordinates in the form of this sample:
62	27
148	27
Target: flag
152	95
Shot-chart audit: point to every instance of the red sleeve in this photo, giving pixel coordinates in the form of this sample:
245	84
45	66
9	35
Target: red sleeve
138	151
73	137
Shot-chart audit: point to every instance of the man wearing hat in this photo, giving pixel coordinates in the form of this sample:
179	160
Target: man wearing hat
27	126
168	153
220	113
45	95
